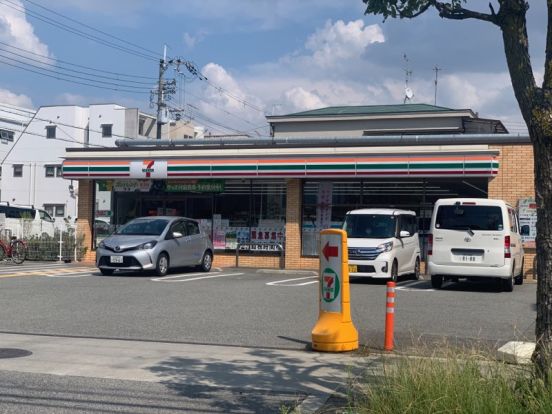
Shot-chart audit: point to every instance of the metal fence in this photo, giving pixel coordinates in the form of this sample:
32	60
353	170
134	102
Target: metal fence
62	246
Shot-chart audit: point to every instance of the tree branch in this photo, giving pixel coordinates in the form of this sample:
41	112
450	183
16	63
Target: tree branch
449	11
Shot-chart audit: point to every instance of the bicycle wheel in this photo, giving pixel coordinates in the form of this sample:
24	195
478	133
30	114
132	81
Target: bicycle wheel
19	251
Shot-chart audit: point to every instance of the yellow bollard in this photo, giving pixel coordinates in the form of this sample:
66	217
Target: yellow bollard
334	331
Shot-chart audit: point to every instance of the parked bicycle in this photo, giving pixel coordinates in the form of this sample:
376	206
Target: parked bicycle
16	250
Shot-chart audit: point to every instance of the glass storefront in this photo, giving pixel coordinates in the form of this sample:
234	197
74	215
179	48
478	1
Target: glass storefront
325	203
246	212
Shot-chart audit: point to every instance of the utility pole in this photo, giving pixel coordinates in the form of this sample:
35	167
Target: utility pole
436	70
160	93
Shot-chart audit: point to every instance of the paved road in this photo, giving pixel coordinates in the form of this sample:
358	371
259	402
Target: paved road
245	307
233	340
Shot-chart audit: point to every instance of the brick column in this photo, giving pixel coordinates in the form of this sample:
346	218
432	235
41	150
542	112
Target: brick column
515	180
85	217
293	224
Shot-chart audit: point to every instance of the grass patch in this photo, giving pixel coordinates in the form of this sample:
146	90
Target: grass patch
453	384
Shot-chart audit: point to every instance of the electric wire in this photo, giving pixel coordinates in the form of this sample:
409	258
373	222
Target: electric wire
92	28
117	74
62	26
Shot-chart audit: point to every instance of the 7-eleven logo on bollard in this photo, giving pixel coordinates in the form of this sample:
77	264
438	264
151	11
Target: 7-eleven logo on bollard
330	285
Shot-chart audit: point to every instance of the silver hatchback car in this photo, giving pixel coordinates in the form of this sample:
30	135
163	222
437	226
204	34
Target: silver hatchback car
155	243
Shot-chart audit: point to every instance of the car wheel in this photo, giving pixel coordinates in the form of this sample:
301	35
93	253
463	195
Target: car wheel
206	262
508	283
416	274
394	271
436	281
106	272
518	280
162	267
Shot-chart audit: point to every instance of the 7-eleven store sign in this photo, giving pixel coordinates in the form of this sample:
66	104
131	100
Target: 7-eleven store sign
331	268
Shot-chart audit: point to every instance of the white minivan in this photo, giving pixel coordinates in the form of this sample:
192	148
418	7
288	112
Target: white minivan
382	243
475	238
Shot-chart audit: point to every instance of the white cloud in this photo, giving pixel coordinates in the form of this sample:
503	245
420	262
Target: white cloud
15	99
72	99
340	41
17	31
301	99
191	40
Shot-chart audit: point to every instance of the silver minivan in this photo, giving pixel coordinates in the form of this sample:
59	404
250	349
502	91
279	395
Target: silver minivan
475	238
155	243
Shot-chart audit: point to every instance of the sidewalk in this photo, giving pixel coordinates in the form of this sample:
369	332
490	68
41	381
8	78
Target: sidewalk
309	376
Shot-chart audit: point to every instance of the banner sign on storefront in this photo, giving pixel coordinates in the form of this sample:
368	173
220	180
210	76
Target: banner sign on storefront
148	169
196	186
527	212
128	186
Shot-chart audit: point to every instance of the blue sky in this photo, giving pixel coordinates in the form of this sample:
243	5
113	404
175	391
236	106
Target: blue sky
277	56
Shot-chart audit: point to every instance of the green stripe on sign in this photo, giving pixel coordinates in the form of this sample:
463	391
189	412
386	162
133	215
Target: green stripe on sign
109	169
331	167
188	168
445	165
376	166
479	165
234	167
75	169
279	167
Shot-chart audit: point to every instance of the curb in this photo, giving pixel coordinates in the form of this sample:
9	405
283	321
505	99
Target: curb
516	352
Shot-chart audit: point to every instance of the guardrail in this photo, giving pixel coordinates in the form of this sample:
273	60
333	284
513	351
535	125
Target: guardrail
261	247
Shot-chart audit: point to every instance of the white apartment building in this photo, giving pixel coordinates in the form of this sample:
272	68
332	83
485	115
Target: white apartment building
31	159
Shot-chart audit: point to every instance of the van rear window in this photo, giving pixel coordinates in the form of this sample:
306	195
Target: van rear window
464	217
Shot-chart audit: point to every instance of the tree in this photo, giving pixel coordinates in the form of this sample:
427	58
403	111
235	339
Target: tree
535	103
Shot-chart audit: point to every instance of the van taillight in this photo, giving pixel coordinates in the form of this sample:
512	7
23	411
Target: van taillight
430	244
507	252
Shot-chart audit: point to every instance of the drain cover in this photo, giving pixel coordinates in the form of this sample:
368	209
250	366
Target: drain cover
13	353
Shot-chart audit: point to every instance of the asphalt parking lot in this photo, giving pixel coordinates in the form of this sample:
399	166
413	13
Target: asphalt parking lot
249	307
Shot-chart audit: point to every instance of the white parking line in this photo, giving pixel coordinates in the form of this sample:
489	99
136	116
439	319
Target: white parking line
72	275
409	287
284	282
164	278
196	278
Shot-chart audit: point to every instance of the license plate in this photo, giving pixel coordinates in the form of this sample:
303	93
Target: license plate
116	259
470	258
352	268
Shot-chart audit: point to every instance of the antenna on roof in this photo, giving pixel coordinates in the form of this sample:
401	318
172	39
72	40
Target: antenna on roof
436	69
408	92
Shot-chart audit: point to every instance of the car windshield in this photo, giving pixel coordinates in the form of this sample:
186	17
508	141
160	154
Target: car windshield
370	226
144	227
469	217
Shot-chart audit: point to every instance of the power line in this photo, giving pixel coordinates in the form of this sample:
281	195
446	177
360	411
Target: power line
71	81
118	74
52	22
92	28
60	123
69	75
195	113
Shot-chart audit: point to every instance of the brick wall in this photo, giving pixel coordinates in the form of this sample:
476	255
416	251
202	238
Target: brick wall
85	218
515	180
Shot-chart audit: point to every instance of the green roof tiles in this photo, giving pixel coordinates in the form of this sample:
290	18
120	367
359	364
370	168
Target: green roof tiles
370	110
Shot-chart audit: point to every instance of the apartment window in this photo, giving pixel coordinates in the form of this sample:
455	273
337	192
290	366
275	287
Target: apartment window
51	132
55	210
107	130
6	135
141	124
53	170
18	170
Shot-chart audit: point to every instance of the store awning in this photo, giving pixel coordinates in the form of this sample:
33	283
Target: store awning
427	165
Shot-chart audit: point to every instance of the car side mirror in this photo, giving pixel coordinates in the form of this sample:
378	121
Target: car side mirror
404	233
525	230
176	234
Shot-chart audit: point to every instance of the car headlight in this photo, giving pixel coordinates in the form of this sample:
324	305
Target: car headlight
148	245
385	247
101	245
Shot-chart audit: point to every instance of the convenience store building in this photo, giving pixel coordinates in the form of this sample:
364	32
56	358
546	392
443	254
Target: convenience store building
257	194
